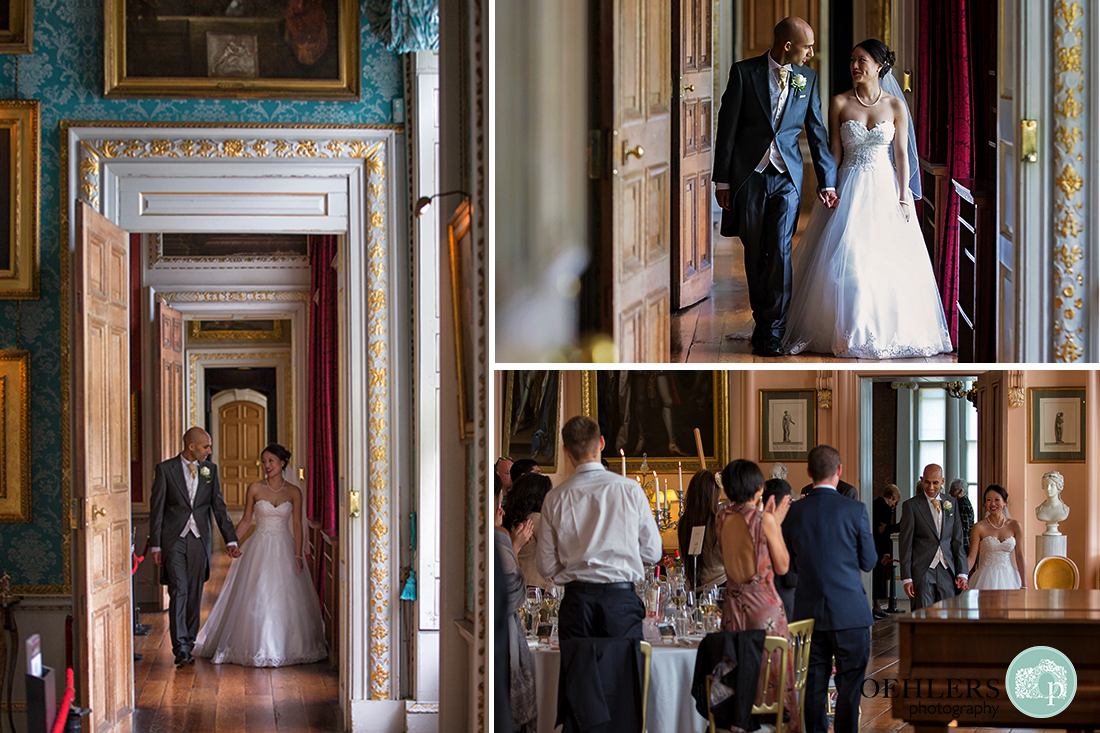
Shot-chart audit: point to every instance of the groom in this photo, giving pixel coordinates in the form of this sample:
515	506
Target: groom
933	563
758	168
186	492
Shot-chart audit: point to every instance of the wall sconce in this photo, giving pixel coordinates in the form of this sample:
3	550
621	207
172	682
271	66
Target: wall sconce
825	399
958	391
1015	392
425	201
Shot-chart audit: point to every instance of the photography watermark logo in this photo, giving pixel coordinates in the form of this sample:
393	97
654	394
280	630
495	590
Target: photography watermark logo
1041	682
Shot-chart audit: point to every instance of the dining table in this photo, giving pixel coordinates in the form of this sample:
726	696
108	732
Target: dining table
670	708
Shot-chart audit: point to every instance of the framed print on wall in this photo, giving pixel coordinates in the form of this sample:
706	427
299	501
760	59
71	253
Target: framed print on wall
15	436
17	26
301	49
19	146
788	424
532	416
653	414
1056	425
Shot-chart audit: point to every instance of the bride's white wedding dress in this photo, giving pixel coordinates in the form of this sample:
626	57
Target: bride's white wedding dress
267	615
996	571
863	286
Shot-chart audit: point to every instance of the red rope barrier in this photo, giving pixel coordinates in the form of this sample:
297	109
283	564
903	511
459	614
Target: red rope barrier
66	703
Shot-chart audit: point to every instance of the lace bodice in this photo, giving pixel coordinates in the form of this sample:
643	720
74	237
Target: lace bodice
272	518
865	148
997	553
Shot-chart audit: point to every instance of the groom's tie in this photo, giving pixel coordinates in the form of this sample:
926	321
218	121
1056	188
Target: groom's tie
783	72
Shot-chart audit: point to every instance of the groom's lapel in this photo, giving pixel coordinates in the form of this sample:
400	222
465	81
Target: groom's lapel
926	512
763	85
793	98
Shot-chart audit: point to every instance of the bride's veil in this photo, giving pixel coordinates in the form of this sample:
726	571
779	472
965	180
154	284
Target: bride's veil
890	85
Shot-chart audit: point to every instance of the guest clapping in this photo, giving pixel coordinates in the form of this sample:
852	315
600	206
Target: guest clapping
700	508
523	503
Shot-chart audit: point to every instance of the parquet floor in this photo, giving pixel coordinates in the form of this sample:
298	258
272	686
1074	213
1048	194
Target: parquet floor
225	698
699	332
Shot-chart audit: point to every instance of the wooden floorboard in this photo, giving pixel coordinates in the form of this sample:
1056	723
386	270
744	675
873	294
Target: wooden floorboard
699	331
225	698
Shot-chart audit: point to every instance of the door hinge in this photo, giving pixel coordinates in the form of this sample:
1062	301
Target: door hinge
595	154
76	513
1029	141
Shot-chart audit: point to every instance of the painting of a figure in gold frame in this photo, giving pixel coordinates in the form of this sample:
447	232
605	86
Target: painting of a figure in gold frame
19	146
236	49
15	436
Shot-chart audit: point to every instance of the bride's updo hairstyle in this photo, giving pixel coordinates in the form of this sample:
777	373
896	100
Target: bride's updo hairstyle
996	488
279	452
881	53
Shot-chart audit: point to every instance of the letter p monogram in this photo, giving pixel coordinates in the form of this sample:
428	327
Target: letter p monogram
1051	694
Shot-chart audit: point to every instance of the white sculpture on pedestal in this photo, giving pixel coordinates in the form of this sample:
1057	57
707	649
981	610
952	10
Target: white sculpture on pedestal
1053	510
779	470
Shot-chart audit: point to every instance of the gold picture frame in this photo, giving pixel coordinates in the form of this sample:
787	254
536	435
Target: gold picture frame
463	287
712	398
15	436
543	417
19	192
17	34
197	331
246	56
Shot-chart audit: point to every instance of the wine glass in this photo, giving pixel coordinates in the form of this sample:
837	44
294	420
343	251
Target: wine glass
534	604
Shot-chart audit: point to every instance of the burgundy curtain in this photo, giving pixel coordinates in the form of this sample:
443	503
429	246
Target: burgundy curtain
322	387
945	122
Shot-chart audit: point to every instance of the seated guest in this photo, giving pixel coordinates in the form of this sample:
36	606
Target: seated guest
700	508
595	532
522	503
882	526
753	550
522	672
775	489
522	466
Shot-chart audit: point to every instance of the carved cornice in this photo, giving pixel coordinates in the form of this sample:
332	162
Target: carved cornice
1071	219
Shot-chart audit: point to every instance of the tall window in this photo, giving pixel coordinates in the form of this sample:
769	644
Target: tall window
970	469
934	410
931	426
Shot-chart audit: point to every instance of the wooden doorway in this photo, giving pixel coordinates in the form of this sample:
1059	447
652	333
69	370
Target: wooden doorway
239	420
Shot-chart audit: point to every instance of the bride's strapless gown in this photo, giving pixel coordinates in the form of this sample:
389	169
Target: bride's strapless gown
266	615
863	285
995	570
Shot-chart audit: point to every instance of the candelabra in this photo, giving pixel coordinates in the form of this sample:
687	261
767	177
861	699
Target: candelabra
661	505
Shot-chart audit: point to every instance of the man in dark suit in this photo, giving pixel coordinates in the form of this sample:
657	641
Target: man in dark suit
933	563
829	538
843	488
186	493
758	168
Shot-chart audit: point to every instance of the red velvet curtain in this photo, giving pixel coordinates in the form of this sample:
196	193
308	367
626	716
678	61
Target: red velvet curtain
322	388
945	134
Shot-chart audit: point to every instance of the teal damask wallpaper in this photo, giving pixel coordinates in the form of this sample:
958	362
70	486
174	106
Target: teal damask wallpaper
66	74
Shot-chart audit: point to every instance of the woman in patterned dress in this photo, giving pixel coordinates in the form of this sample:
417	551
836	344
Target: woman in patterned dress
753	552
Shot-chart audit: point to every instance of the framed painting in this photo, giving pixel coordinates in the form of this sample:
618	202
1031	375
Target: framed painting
16	26
19	146
251	329
15	436
652	415
463	285
788	424
1056	425
532	416
237	49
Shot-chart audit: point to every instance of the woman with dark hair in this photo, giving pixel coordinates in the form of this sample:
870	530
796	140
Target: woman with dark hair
753	552
700	509
521	672
845	295
1000	541
523	503
267	614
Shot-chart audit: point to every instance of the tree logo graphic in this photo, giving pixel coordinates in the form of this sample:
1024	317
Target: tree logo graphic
1041	682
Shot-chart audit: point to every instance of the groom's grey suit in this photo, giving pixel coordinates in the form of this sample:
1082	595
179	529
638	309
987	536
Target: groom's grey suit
186	563
918	543
764	203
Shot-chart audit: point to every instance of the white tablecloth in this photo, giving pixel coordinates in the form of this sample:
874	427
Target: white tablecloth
671	707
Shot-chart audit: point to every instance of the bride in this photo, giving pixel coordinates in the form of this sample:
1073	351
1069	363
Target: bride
863	285
998	538
267	614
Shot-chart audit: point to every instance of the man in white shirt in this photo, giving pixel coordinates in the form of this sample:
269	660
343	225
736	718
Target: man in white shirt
185	494
930	542
596	532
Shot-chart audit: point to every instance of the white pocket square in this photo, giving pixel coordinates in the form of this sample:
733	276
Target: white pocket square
801	96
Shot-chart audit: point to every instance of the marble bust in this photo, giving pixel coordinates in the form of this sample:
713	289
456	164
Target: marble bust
1053	510
779	470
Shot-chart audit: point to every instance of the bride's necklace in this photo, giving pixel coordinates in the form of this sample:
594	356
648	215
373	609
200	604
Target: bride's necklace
281	486
1004	519
872	104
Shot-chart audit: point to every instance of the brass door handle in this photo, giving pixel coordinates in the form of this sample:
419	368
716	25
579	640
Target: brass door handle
637	152
353	504
257	463
98	512
689	88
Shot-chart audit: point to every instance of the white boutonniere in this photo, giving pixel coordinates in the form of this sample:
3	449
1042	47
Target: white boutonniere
799	83
205	472
947	506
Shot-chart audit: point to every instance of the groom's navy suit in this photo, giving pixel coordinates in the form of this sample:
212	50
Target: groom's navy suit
764	205
829	539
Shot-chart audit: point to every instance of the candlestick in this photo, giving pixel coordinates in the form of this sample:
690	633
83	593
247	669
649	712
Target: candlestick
657	489
623	454
680	470
664	494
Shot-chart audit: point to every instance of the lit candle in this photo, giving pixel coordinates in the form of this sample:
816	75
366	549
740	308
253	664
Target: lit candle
623	454
680	470
657	489
664	493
